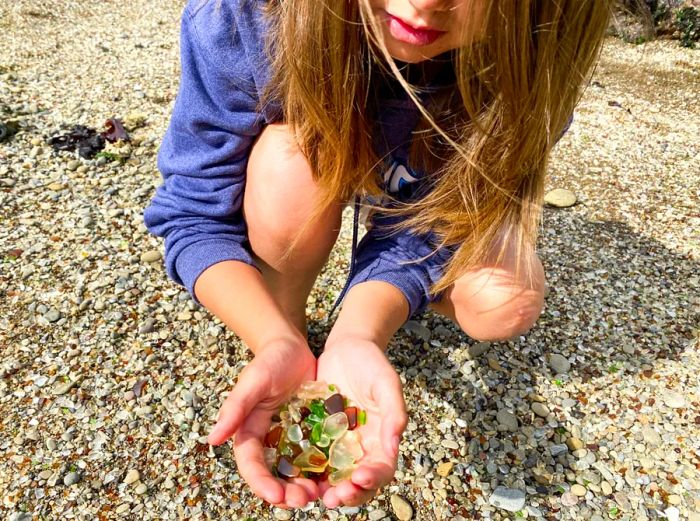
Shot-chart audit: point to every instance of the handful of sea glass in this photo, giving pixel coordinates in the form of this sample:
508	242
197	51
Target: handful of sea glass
314	435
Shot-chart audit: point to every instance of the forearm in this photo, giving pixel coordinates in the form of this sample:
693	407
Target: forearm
236	293
371	311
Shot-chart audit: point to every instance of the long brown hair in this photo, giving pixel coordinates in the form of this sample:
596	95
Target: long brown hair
483	144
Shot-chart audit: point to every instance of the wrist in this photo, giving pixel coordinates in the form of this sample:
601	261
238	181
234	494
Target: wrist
372	311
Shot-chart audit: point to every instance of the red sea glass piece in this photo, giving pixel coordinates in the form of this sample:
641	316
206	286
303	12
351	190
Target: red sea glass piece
304	411
334	403
272	438
285	468
351	413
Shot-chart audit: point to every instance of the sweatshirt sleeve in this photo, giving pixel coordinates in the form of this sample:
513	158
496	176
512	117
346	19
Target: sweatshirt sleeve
406	260
203	156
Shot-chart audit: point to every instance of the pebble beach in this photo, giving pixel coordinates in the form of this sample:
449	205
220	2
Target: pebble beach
111	376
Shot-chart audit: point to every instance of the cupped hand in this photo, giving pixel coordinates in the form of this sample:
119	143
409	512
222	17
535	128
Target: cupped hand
362	372
275	373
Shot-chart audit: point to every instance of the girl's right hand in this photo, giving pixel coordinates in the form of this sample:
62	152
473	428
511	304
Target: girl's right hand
275	373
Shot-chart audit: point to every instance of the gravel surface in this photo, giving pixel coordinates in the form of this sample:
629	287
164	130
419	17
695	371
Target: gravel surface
111	376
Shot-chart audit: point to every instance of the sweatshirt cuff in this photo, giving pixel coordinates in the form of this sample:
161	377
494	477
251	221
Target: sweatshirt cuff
412	285
194	259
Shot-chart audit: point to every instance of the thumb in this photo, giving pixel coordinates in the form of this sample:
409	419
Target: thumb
251	388
389	397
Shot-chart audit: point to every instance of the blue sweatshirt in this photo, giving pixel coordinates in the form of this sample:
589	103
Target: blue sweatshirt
203	158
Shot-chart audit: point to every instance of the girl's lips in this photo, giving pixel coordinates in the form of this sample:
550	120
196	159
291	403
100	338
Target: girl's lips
403	32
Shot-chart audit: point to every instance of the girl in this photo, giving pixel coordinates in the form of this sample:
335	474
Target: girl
437	115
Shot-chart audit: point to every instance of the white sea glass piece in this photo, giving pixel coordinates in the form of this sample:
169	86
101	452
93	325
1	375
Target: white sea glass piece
313	390
304	444
346	450
270	455
294	413
294	433
311	460
335	425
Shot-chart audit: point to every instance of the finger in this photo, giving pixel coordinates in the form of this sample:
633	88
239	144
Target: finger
246	394
330	498
351	495
312	488
371	476
295	495
248	451
388	395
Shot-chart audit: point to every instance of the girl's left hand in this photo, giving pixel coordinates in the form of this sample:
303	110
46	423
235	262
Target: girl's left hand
362	372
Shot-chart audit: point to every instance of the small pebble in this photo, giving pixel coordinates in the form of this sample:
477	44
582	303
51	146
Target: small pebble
559	364
540	409
574	444
402	508
560	198
674	400
132	477
281	514
151	256
578	490
507	419
444	469
568	499
376	515
141	489
71	478
509	499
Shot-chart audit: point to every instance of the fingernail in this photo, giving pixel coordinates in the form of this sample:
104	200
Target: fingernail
215	430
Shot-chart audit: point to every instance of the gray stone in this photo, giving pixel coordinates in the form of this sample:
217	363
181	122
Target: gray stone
560	198
476	350
555	450
417	329
559	363
510	499
507	419
540	409
71	479
148	326
53	315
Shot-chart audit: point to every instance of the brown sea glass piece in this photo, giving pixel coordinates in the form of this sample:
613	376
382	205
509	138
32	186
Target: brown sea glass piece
334	403
272	438
285	468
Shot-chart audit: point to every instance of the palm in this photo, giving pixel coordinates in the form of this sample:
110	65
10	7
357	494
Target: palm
263	386
362	373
